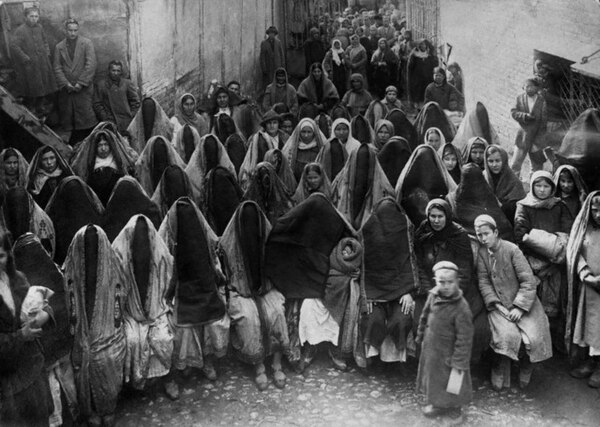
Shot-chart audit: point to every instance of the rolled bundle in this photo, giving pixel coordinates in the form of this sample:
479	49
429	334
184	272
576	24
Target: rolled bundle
549	245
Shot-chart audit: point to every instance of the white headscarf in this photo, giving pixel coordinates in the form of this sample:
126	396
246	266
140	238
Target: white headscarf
335	53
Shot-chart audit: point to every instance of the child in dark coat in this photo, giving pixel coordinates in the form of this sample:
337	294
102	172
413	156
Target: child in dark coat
446	336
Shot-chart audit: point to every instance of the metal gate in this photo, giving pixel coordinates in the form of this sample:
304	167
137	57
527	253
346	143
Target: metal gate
422	17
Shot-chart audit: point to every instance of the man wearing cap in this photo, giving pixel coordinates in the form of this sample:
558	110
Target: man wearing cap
271	56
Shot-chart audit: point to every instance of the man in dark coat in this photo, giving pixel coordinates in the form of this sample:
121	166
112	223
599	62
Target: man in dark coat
115	98
314	51
271	56
32	64
74	68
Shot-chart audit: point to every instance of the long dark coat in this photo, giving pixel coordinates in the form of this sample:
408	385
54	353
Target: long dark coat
271	58
76	107
31	55
446	333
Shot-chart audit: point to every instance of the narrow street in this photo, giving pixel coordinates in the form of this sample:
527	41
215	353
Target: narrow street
326	397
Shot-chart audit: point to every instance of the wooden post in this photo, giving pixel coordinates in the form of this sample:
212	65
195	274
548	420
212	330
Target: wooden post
28	121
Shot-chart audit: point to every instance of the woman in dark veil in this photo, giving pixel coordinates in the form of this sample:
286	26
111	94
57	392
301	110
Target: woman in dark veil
439	238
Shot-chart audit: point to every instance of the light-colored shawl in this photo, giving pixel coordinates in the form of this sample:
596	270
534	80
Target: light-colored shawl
162	126
99	347
149	339
145	163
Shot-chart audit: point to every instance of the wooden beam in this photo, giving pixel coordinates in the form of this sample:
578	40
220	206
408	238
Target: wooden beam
29	121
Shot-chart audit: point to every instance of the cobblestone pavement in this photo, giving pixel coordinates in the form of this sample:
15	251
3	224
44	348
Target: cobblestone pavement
323	396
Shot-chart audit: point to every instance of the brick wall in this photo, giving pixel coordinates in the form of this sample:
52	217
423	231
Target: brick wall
494	42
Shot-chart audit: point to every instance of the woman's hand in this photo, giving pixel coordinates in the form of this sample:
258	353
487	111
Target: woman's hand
515	314
407	304
40	319
502	309
29	332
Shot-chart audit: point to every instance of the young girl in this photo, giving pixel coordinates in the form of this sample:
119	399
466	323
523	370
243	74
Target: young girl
474	151
435	138
452	160
570	188
502	180
313	180
384	130
541	210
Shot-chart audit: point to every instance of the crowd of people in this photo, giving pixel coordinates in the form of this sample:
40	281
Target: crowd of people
163	244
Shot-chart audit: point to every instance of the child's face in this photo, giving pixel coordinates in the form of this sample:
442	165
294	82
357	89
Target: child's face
530	89
391	96
477	154
542	189
347	250
567	185
450	161
447	282
453	105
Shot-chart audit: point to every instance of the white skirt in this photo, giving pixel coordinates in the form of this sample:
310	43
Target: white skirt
316	324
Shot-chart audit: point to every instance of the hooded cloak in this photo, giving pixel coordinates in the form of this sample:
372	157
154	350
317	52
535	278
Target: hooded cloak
286	94
42	184
236	150
150	120
72	206
432	115
423	178
475	123
466	154
256	309
209	154
173	185
582	299
505	185
157	155
97	290
282	167
185	141
299	153
393	157
303	190
575	201
360	185
21	214
102	179
148	269
375	112
32	259
267	190
351	143
310	91
258	146
361	130
381	124
127	200
298	247
222	195
324	123
225	126
449	147
403	127
193	244
390	264
244	242
333	157
357	100
474	197
340	112
21	179
581	146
